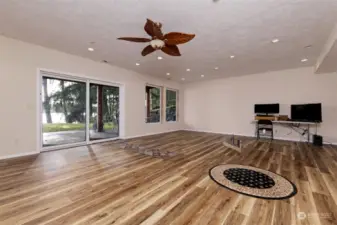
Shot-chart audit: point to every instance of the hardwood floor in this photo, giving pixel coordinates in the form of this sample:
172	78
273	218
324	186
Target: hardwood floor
103	184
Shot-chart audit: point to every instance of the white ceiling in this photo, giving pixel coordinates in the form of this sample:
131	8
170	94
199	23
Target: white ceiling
243	28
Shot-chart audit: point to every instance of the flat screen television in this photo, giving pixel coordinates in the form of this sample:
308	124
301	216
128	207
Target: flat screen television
267	108
307	112
314	112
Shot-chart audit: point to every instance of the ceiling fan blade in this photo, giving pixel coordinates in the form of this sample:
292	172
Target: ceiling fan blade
172	50
134	39
147	50
153	29
149	27
157	32
176	38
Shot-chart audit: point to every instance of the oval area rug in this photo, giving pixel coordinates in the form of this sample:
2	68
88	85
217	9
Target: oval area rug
253	181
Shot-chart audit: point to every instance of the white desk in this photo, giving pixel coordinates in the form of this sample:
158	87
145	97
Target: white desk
289	122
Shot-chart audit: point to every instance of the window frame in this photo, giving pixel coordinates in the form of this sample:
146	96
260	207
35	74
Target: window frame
160	103
177	104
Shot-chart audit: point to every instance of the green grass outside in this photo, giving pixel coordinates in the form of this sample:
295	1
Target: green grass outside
55	127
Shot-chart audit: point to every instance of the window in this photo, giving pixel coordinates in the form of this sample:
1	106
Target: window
152	104
171	105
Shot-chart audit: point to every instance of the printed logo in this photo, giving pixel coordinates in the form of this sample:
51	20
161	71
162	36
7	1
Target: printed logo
301	215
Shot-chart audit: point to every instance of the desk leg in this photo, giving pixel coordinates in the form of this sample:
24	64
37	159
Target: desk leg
256	131
308	133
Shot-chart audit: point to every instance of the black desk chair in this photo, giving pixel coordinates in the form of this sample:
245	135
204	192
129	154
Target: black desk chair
267	126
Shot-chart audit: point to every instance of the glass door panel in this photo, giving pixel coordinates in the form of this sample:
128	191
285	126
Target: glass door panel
63	111
104	112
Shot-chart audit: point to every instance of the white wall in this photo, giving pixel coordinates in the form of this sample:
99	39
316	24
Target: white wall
18	78
227	105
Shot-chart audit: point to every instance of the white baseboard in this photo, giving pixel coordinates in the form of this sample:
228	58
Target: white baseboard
19	155
149	134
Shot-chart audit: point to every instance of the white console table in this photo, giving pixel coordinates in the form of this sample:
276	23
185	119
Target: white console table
293	123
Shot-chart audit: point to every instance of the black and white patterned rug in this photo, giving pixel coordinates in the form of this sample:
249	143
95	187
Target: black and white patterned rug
253	181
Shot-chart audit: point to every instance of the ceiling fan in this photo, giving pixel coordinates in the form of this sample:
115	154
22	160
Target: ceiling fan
166	43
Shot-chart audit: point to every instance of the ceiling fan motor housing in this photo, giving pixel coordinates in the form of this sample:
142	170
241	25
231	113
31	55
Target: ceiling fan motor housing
157	44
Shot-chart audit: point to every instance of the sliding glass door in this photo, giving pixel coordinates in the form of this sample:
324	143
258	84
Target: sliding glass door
63	111
65	103
104	112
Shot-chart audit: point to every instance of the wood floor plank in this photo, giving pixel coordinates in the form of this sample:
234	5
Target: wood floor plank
262	213
207	209
228	200
300	171
282	213
234	218
306	212
316	181
104	184
319	155
188	214
245	205
175	212
331	183
135	209
326	209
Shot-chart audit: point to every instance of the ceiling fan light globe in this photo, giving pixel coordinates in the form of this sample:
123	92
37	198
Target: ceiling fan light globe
157	44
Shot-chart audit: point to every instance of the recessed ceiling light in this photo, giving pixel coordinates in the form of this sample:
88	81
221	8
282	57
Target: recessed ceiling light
202	75
216	68
232	56
160	58
90	49
188	70
275	40
304	60
182	78
168	74
137	64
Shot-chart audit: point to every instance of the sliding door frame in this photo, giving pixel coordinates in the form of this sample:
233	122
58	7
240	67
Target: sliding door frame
77	78
109	84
